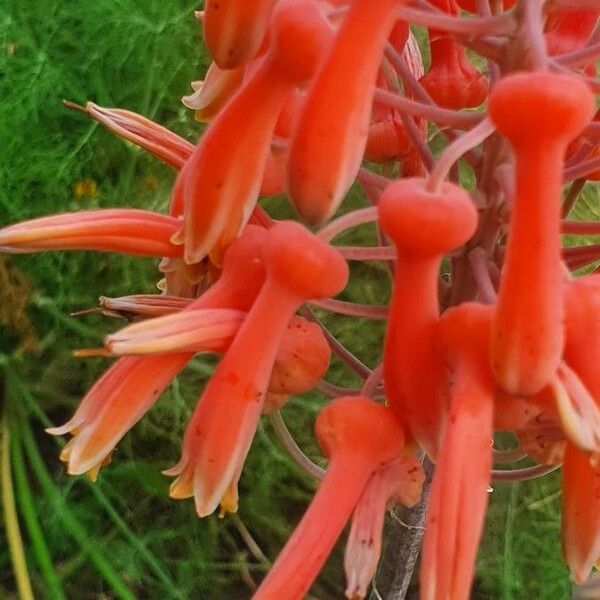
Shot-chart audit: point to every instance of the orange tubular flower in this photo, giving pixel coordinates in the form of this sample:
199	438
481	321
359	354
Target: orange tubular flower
424	226
399	482
158	140
580	513
539	113
131	385
123	230
234	29
302	357
358	436
299	267
327	152
581	479
106	413
191	330
163	143
224	174
119	399
459	491
452	81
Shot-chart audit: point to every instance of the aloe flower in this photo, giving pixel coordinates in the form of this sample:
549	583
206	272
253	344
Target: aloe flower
117	401
299	267
156	139
359	437
332	134
122	230
221	183
581	473
131	386
459	491
486	327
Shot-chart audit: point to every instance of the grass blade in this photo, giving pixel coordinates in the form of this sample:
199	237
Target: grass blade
38	544
13	533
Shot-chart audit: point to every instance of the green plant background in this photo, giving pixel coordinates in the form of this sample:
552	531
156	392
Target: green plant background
122	537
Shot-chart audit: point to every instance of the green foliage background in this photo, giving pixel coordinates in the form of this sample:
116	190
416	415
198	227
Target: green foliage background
122	537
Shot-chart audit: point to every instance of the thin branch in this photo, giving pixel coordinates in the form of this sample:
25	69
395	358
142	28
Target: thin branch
352	309
431	112
582	169
501	457
289	443
373	381
502	25
249	540
572	196
581	57
335	391
367	252
348	221
478	261
517	475
592	82
460	146
581	227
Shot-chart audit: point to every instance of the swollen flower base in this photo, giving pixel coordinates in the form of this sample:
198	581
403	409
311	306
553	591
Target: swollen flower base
487	327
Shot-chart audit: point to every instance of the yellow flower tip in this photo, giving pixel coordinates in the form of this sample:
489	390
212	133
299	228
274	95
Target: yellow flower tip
65	453
150	182
183	486
91	352
229	503
92	474
85	188
180	491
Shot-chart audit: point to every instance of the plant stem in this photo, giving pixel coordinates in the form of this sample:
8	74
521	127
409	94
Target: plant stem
403	544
